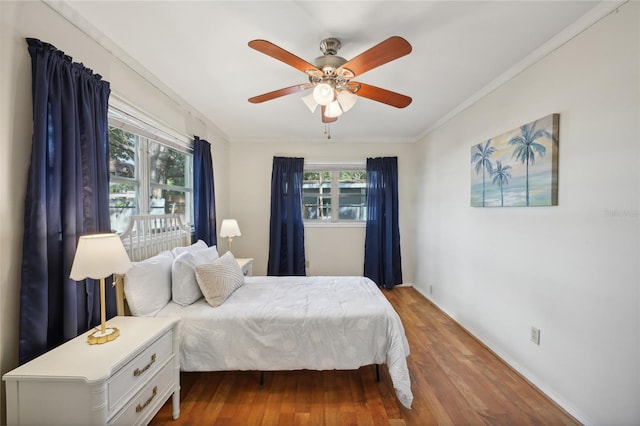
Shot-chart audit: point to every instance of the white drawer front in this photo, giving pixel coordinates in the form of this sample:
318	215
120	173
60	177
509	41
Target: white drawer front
138	371
146	403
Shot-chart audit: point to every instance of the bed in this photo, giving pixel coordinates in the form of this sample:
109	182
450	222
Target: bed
263	323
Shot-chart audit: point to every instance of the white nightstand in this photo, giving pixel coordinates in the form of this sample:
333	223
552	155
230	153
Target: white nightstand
246	264
123	382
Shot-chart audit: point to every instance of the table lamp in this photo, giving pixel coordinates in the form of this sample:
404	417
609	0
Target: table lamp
229	229
99	256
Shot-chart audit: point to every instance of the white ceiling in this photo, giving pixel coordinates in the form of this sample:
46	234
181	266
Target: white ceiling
198	50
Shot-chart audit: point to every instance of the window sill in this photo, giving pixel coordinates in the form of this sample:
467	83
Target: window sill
327	224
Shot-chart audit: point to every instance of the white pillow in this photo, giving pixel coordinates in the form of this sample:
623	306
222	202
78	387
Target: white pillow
184	286
198	245
147	284
219	279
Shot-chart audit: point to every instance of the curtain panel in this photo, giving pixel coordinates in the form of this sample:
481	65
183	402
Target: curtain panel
67	196
286	229
382	261
204	200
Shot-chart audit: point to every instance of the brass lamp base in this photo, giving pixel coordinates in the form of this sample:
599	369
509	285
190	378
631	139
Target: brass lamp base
99	337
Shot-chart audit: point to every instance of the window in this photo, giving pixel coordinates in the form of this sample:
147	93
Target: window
148	176
334	193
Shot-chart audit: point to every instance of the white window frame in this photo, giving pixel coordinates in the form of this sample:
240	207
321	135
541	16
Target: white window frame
126	117
334	168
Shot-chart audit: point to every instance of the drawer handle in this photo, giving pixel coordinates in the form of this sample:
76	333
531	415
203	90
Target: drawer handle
138	372
143	406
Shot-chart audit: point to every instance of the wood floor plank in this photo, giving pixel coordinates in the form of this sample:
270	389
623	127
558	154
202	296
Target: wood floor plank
275	390
455	380
316	408
258	406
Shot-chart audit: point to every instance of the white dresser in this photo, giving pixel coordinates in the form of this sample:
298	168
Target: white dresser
123	382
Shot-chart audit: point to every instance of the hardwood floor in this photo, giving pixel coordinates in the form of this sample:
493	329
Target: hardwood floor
455	381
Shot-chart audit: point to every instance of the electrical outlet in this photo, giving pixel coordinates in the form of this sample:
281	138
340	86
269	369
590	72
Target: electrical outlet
535	335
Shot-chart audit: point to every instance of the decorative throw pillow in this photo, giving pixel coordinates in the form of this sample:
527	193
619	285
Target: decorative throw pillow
147	284
184	287
198	245
219	279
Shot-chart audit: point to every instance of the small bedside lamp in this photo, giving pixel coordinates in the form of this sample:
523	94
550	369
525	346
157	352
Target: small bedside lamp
229	229
97	257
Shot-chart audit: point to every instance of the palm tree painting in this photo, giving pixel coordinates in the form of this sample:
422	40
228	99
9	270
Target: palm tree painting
517	168
501	176
481	158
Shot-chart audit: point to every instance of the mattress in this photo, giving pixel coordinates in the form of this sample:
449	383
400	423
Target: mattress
294	323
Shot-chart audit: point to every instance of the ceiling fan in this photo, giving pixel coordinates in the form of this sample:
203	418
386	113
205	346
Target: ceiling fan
331	76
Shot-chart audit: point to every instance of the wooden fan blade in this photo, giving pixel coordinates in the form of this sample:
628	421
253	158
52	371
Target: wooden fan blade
280	92
386	51
383	95
326	119
282	55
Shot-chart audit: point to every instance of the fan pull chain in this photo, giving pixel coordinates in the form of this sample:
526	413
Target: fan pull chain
327	130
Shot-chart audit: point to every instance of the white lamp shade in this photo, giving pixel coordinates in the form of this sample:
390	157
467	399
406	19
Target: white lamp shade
99	256
310	102
229	229
323	93
333	110
347	99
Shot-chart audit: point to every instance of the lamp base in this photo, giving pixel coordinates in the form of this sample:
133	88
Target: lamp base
99	337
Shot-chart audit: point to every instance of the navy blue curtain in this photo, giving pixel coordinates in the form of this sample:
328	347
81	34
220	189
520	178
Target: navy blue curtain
204	192
382	262
67	196
286	230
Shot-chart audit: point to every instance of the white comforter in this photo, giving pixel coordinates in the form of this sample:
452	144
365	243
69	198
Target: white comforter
291	323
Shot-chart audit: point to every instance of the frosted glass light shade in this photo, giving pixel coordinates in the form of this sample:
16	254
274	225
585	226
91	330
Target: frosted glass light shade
347	99
230	228
333	110
323	93
99	256
310	102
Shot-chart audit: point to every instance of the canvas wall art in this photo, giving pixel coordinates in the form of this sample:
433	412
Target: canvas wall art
518	168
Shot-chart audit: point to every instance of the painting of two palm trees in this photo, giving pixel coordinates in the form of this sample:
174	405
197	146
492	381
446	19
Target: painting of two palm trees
517	168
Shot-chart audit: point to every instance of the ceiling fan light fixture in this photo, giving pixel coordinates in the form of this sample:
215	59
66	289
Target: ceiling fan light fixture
333	110
323	93
310	102
347	99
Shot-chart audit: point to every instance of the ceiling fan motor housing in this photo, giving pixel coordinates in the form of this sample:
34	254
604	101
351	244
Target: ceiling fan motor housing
329	63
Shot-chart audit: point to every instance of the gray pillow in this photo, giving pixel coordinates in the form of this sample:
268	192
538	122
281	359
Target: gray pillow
218	280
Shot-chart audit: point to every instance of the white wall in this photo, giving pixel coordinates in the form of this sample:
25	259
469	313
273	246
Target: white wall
570	270
34	19
329	251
